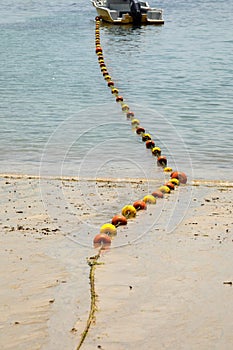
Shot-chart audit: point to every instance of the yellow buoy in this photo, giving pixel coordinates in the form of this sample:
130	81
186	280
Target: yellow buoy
149	199
175	181
146	137
107	77
156	151
129	211
125	108
109	229
164	189
115	91
135	122
167	170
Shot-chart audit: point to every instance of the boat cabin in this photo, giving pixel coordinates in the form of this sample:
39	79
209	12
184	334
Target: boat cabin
120	7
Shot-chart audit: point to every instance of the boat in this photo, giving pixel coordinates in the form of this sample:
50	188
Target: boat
127	12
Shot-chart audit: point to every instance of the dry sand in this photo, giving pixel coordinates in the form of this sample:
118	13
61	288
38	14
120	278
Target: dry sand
166	283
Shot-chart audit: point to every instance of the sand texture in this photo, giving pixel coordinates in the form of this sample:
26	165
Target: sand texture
166	282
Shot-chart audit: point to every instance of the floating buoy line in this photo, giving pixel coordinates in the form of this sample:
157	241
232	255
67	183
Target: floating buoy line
108	231
102	241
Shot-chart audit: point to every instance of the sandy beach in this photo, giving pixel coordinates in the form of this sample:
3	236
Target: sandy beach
166	282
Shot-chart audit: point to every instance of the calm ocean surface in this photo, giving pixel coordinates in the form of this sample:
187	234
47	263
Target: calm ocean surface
58	116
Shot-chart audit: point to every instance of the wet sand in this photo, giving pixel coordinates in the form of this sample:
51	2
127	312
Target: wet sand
166	283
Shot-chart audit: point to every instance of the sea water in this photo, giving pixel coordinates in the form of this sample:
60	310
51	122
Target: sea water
58	117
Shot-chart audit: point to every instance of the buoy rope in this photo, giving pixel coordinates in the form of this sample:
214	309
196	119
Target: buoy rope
102	241
92	262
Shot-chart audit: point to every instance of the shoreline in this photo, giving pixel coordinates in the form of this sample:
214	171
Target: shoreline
179	260
193	182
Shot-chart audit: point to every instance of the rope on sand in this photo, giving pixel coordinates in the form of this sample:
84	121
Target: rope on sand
92	262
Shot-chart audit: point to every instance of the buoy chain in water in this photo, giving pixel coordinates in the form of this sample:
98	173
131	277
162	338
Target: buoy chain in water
146	137
108	231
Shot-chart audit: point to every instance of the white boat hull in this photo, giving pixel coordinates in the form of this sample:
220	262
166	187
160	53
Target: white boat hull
119	12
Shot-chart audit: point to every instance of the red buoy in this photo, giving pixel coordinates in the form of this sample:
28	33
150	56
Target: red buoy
140	205
119	99
180	176
170	185
140	130
157	194
130	115
98	49
150	144
102	240
162	161
118	220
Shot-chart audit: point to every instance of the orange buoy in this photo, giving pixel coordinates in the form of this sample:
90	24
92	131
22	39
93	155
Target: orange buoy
150	144
98	50
162	161
97	19
164	189
105	73
140	205
129	211
118	220
102	240
110	83
140	130
180	176
130	115
146	137
158	194
170	185
149	199
156	151
102	64
109	229
119	99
